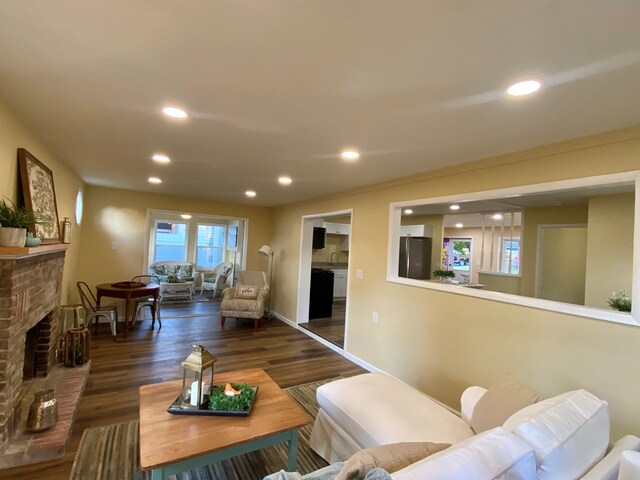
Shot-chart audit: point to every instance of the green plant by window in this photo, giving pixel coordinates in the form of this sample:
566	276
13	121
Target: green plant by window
12	216
443	273
620	301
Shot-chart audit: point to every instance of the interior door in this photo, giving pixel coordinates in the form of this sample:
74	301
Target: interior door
458	257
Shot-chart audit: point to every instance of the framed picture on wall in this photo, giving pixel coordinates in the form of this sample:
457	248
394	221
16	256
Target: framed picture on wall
39	196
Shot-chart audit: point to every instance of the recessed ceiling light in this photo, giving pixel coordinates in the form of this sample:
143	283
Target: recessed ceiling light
160	158
454	207
497	216
186	216
154	180
250	193
408	211
350	155
459	225
174	112
526	87
284	180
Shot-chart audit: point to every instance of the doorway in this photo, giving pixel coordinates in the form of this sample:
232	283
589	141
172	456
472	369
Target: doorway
562	263
324	275
457	257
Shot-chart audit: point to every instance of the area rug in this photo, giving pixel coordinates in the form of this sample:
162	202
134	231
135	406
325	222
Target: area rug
111	452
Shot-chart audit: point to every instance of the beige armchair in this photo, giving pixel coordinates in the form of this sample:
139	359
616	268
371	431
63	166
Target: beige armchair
248	299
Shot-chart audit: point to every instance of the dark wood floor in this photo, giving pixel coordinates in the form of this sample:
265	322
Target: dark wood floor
118	368
331	329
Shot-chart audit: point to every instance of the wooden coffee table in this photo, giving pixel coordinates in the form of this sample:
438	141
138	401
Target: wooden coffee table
171	444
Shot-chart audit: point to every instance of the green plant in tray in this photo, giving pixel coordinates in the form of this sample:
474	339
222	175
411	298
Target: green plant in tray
221	402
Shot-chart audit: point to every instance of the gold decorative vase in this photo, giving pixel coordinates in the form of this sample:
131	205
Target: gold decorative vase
43	413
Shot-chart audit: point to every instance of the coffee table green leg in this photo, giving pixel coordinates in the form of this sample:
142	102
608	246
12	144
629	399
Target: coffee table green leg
291	437
292	463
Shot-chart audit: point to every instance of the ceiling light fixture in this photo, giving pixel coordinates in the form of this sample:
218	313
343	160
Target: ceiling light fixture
526	87
186	216
250	193
174	112
350	155
454	207
284	180
160	158
459	225
155	180
408	211
497	216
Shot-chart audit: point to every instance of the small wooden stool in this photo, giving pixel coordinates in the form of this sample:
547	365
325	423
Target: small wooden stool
71	313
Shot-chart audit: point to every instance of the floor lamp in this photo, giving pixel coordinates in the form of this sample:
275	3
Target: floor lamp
267	251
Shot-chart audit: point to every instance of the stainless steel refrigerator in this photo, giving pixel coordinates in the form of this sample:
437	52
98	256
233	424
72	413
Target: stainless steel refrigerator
415	257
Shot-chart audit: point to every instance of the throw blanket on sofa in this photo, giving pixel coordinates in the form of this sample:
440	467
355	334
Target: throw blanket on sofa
327	473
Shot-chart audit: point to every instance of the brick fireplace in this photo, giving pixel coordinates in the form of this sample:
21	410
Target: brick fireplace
30	290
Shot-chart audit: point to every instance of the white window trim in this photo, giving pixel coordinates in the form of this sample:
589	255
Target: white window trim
395	212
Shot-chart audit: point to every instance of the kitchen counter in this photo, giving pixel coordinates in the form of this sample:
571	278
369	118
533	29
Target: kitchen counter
329	265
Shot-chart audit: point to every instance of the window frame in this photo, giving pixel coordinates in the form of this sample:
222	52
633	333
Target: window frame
154	243
222	248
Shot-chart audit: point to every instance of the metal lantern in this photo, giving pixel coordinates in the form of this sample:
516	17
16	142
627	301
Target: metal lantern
197	377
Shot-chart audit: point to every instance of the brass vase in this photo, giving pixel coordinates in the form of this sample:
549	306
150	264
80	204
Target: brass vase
43	413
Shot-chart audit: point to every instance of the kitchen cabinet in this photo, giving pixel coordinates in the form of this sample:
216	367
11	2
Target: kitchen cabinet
337	228
416	231
339	282
345	244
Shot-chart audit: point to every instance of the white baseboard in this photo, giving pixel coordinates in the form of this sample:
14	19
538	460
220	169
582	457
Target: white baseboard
326	343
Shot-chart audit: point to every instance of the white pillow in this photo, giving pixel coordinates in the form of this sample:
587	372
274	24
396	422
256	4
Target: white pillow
492	455
569	433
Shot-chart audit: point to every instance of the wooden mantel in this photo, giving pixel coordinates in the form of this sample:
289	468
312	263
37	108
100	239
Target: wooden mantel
21	252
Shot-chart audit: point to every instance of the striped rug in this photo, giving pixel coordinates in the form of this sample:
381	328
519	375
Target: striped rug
111	452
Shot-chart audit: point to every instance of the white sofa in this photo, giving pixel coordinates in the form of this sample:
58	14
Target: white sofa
564	437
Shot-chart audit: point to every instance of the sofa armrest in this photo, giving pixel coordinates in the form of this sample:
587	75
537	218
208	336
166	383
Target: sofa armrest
468	401
607	468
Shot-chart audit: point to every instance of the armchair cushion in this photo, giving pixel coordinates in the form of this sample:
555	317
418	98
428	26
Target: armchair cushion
249	292
183	270
499	402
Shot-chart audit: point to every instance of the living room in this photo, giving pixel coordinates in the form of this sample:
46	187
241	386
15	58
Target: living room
437	341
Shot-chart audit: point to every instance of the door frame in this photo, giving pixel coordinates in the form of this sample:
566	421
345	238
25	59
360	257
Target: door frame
304	270
462	237
539	250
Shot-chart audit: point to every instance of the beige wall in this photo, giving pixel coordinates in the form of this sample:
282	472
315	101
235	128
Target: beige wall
563	262
609	248
13	135
120	216
441	342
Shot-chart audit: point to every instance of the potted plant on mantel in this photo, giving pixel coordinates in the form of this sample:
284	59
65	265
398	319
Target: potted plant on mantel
14	222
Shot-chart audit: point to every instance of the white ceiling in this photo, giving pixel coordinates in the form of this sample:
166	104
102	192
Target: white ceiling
280	87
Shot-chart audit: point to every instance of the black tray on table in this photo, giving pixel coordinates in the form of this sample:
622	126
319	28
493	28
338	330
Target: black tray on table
176	408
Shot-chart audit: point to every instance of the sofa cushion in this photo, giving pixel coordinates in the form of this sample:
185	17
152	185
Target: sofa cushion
499	402
569	433
492	455
395	412
391	458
